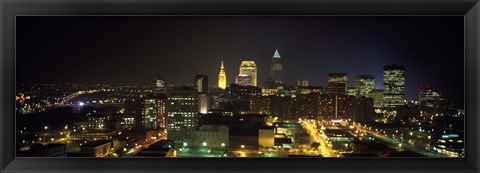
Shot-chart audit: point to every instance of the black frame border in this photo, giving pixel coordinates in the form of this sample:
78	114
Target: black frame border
11	8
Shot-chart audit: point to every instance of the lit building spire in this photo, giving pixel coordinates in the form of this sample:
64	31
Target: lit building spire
276	68
222	77
276	54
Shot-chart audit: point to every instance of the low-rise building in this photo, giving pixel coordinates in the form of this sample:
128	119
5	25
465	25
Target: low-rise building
266	137
213	136
99	148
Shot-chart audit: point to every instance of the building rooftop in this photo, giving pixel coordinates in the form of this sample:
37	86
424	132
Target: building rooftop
210	127
96	143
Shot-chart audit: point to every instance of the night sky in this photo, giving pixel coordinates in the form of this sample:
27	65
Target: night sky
129	49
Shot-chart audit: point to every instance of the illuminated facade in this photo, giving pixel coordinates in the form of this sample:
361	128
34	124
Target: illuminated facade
432	102
159	86
377	95
364	85
182	113
337	83
393	85
151	112
201	83
247	74
222	77
276	68
303	82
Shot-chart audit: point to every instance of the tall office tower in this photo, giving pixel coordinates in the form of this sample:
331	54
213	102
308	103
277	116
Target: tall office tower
201	83
159	86
364	85
222	77
182	113
337	83
393	85
276	68
248	69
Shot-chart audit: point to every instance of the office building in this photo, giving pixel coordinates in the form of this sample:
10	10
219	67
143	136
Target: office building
150	112
276	68
212	136
303	82
182	113
160	87
393	85
247	74
201	83
222	77
337	83
364	85
377	95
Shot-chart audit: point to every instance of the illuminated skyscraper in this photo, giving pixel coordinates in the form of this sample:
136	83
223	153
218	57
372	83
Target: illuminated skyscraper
222	77
432	102
337	83
393	85
159	86
247	74
201	83
276	68
364	85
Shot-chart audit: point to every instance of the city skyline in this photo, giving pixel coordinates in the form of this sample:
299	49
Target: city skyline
376	43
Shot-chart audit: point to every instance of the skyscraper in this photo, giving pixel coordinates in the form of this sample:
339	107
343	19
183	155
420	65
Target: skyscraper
393	85
247	74
432	102
364	85
337	83
303	82
159	86
276	68
201	83
222	77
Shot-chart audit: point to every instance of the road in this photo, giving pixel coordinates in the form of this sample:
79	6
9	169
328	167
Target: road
325	151
398	143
